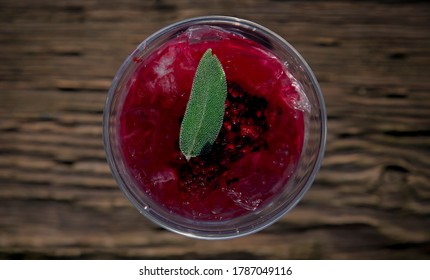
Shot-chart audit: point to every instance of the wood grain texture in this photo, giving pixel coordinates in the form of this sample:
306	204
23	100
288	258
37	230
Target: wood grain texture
371	199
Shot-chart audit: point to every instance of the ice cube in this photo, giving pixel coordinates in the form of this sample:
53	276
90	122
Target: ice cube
207	33
300	101
165	64
163	177
243	193
164	69
252	180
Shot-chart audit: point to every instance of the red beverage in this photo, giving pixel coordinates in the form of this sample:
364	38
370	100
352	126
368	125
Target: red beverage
254	170
259	144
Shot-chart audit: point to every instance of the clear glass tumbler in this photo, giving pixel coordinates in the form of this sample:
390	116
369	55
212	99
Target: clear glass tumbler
257	208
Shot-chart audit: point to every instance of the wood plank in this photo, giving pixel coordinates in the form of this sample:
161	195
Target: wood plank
370	200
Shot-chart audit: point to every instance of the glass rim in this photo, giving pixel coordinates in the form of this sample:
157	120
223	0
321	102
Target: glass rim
189	231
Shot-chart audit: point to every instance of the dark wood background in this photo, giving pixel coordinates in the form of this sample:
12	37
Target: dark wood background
371	199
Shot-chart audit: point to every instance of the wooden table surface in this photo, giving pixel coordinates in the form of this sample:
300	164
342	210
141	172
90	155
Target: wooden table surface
370	200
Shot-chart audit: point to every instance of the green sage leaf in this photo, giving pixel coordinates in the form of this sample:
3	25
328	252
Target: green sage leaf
205	109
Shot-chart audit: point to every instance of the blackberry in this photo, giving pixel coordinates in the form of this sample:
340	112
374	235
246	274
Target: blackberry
242	132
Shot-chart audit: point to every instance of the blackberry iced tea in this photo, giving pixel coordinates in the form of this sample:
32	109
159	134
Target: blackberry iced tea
257	150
